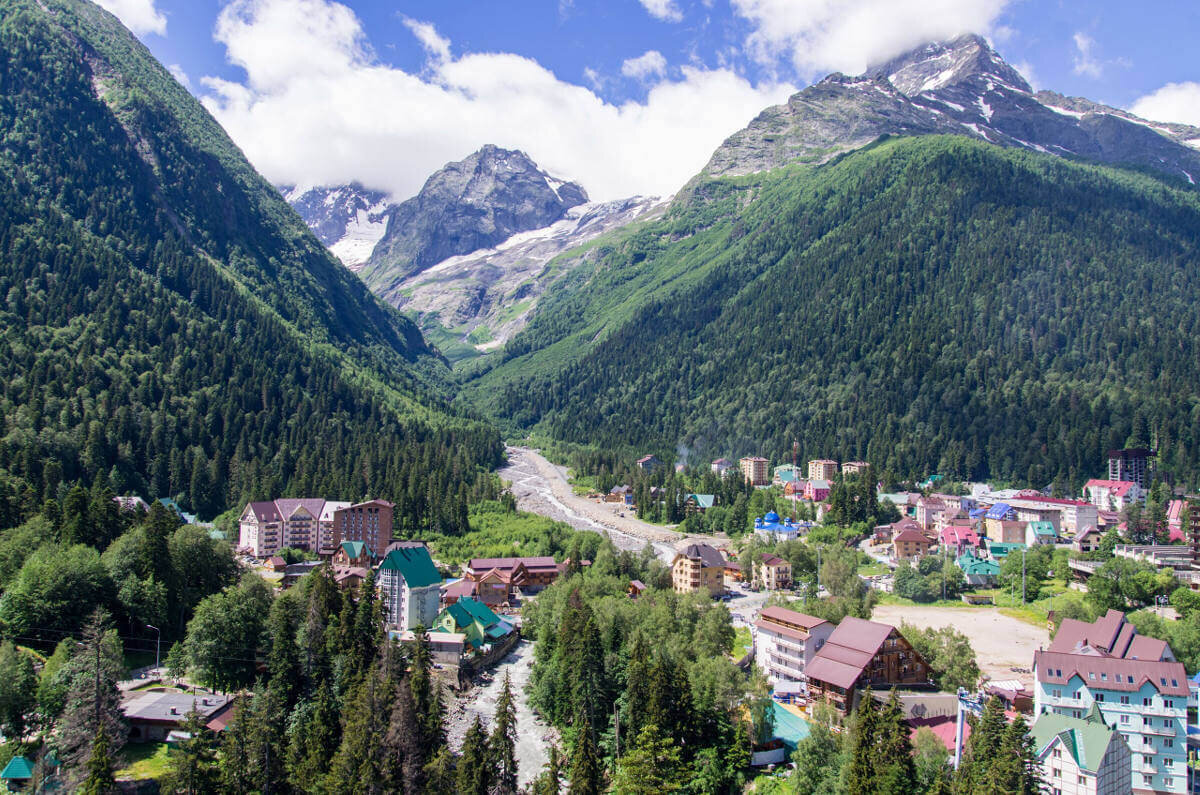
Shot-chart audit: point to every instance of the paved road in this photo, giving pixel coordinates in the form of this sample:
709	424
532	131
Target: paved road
533	735
542	488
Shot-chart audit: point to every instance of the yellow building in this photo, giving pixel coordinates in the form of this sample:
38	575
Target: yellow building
822	469
698	567
772	573
754	470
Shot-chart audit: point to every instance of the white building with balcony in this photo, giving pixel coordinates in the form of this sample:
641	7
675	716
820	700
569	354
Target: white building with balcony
785	642
1145	700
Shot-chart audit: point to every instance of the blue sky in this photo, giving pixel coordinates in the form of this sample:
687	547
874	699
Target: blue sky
626	96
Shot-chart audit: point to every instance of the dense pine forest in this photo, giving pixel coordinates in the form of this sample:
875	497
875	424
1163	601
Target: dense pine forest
932	304
170	327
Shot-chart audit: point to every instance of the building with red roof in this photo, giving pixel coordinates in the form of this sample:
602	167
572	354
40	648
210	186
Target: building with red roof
1112	495
859	654
909	544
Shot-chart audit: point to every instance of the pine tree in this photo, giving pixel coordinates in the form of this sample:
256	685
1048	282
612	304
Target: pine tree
100	769
895	772
549	781
502	745
638	692
983	748
439	773
404	758
859	773
1015	768
650	766
192	766
359	758
283	657
314	736
586	777
474	774
93	700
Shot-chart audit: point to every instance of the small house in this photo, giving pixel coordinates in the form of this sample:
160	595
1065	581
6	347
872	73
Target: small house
817	490
721	466
649	463
474	620
772	573
698	503
1040	532
353	553
910	544
636	588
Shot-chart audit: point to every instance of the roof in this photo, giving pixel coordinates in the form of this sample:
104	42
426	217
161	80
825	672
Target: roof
289	506
330	507
998	511
817	483
848	651
459	588
530	564
723	462
414	565
172	706
468	610
1042	528
911	535
355	549
708	556
1113	673
1110	635
754	458
1088	530
647	458
772	560
781	615
957	534
1086	739
18	769
703	500
637	585
977	566
1118	488
263	511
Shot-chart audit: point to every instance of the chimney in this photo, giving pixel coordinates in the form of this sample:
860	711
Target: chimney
174	710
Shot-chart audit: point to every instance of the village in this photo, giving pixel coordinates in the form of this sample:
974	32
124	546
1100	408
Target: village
1109	709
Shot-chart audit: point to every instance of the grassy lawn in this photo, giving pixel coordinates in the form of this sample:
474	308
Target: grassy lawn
741	640
143	761
1056	596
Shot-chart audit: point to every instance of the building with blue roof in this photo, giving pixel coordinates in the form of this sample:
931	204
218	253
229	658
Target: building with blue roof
1001	510
772	528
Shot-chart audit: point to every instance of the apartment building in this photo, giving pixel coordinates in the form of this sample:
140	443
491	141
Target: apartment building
410	587
1144	700
822	469
785	642
772	573
754	470
369	521
1136	464
266	527
698	567
1080	756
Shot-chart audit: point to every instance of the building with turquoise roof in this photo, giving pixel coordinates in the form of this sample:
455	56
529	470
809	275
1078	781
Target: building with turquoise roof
1081	756
978	571
475	620
410	587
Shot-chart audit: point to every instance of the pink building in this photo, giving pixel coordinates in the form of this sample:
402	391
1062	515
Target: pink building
816	490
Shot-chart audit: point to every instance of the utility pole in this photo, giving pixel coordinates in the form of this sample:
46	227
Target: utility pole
157	647
617	724
1022	575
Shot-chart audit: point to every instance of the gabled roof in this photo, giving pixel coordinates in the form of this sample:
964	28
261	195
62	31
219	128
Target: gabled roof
263	511
329	508
703	500
1042	528
1089	530
772	560
849	650
911	535
647	458
1118	488
817	483
413	564
459	588
1087	739
530	564
982	568
781	615
1110	635
999	510
288	507
753	458
469	609
355	549
723	462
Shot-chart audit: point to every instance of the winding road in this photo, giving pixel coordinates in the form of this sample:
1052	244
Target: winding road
542	488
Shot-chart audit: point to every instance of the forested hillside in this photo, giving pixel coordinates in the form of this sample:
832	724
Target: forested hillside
927	304
170	326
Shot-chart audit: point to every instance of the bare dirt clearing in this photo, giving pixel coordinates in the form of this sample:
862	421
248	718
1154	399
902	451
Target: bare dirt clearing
1001	642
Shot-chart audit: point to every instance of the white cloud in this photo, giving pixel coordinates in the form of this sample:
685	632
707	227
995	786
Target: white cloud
318	108
435	44
1177	102
818	36
1085	61
649	64
665	10
177	72
140	16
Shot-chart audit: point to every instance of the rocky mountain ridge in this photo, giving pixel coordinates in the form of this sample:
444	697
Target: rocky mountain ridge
960	87
349	219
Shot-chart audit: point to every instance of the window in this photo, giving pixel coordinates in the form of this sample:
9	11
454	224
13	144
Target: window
1174	683
1103	676
1169	703
1146	702
1124	719
1082	779
1168	761
1124	699
1099	696
1058	753
1147	722
1147	780
1169	742
1091	674
1147	761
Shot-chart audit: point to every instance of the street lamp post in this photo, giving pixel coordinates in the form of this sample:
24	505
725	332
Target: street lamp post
157	645
1022	575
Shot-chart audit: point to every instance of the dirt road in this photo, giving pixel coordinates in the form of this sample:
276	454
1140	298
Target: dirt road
1001	643
533	735
542	488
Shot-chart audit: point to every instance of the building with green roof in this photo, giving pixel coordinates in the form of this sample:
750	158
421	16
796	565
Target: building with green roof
978	571
999	552
410	587
474	619
1081	755
1040	532
17	774
353	553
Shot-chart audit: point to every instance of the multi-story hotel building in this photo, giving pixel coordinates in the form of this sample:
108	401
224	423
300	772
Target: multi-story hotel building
369	521
785	642
822	469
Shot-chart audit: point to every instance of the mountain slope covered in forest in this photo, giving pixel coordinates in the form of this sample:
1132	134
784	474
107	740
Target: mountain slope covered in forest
170	324
928	304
